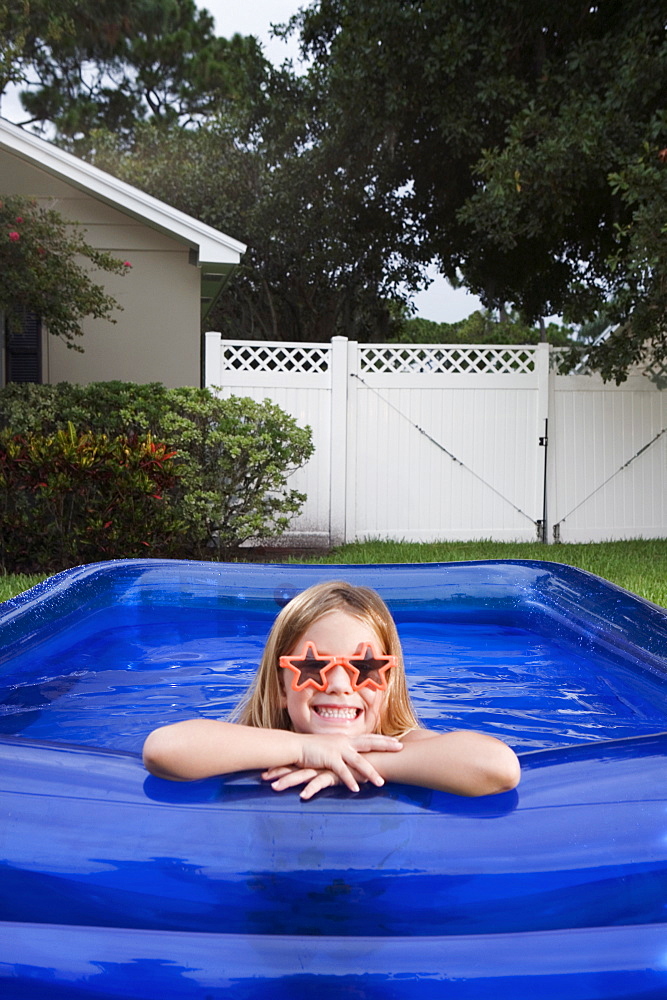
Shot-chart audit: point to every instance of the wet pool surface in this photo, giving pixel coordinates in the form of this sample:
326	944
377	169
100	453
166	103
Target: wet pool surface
126	671
116	883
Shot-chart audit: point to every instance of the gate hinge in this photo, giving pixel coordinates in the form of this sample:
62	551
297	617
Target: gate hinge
543	441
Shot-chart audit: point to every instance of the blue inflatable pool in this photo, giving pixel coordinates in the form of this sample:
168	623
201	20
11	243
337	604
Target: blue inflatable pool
118	884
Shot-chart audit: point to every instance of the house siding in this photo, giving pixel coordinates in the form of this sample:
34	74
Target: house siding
156	336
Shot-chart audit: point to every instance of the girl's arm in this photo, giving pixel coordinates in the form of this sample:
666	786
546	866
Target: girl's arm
462	762
201	748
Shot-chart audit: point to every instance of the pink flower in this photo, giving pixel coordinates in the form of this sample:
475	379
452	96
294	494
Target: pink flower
126	263
19	220
14	237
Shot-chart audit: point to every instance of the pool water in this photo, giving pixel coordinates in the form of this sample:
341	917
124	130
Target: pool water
123	672
118	884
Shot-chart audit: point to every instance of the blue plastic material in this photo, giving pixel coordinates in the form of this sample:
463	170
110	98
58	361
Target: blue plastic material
118	884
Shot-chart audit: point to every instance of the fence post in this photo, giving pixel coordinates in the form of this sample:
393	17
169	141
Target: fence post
338	424
353	364
212	349
542	363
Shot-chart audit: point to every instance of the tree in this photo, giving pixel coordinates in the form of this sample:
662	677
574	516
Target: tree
112	64
35	30
325	243
480	328
324	257
39	272
528	138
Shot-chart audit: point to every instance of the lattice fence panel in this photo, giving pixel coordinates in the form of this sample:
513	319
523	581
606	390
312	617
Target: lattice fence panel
448	360
657	372
259	357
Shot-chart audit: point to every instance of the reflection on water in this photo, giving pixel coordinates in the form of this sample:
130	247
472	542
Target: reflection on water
110	686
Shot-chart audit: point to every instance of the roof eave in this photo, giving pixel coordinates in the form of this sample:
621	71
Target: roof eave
213	246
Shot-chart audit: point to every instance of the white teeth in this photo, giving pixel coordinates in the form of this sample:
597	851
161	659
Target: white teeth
336	713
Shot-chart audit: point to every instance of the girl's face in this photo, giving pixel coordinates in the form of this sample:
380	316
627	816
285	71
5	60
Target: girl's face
339	709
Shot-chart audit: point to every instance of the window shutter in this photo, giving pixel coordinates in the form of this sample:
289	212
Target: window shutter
23	352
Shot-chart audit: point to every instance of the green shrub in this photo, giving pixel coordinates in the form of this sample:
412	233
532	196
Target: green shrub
236	454
69	498
233	455
116	409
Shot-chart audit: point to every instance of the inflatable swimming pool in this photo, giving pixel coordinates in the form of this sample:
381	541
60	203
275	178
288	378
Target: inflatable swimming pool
118	884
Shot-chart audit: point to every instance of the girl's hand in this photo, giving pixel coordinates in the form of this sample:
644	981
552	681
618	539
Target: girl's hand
282	778
328	760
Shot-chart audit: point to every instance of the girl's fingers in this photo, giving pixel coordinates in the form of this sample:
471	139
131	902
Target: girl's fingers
288	777
277	772
325	779
343	772
365	770
293	778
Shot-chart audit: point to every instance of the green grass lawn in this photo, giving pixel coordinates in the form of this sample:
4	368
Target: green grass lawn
15	583
639	565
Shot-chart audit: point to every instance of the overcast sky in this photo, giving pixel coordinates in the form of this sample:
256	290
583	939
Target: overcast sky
255	17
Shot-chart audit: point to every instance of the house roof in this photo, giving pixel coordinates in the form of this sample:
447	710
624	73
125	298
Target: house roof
214	251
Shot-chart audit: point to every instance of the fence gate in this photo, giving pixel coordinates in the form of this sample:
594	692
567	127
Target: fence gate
607	459
457	442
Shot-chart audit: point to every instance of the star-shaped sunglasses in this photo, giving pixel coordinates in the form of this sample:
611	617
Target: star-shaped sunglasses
368	668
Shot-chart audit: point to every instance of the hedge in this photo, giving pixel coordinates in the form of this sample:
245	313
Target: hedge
223	466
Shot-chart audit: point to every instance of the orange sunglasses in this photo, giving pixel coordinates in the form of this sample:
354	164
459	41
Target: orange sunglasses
368	668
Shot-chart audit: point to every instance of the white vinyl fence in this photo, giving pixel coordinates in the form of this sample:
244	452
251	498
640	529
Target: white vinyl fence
458	442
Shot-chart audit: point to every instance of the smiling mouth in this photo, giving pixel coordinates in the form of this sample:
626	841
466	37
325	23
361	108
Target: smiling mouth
328	712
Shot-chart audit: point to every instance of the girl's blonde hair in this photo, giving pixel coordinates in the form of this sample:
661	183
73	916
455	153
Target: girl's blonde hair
262	706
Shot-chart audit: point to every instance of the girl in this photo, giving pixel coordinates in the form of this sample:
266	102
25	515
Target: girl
329	705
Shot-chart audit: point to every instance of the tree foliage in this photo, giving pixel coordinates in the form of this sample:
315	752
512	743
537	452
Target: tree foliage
32	31
521	146
324	246
89	64
41	272
529	137
481	328
324	255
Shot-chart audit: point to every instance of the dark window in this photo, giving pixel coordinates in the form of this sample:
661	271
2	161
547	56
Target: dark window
23	351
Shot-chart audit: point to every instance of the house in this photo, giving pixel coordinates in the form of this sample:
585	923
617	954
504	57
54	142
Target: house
179	267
